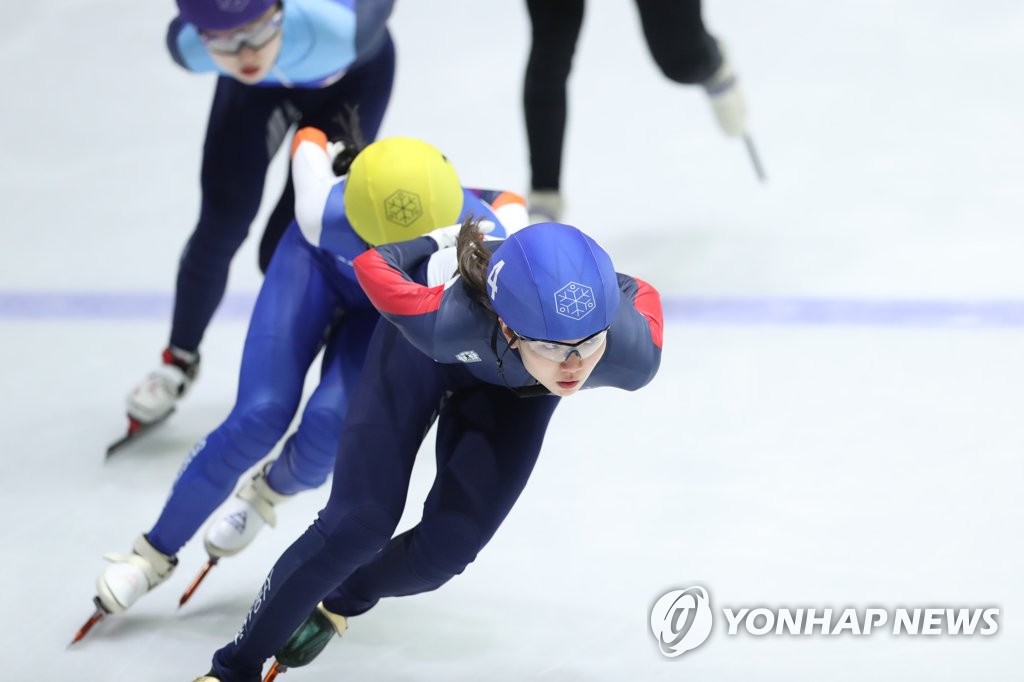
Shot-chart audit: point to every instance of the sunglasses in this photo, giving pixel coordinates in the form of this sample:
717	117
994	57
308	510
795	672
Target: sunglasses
557	351
254	37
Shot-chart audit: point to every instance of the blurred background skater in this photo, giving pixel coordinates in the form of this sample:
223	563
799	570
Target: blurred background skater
296	62
398	188
488	352
681	47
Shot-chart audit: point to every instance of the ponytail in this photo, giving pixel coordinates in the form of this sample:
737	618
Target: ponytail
473	261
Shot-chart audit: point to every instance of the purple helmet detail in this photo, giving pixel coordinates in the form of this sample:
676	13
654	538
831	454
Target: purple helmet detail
222	15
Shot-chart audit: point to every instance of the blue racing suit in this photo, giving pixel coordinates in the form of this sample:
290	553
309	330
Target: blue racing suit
335	55
439	354
309	299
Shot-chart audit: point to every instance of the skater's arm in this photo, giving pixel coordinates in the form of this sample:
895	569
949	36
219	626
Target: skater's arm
633	353
508	207
313	178
385	273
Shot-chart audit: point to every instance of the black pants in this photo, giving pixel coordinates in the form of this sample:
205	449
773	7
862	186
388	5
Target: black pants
247	124
488	440
676	38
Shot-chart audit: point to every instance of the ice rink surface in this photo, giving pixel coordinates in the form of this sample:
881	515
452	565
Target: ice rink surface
837	421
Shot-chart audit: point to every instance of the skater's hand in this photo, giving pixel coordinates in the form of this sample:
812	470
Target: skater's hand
341	156
338	153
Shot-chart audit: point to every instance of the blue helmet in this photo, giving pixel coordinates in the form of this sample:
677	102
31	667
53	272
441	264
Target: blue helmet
552	282
222	15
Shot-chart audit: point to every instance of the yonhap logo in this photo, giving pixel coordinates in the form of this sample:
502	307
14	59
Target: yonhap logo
681	620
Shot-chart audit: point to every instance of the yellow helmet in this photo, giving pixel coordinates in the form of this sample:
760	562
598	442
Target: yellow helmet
400	188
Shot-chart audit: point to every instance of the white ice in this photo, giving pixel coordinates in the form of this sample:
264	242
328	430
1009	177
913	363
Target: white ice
849	464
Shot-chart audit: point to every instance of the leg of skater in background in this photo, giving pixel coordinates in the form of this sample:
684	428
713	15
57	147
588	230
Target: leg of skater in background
687	54
295	307
242	133
555	29
259	97
308	456
680	45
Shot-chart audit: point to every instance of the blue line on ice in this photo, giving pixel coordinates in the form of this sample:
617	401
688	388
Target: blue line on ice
710	310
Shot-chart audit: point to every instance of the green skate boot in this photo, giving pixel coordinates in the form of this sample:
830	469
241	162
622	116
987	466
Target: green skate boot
309	639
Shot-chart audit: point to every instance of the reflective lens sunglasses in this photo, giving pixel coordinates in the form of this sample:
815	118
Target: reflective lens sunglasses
556	351
254	37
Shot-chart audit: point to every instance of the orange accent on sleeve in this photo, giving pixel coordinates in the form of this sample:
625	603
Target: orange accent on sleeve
507	198
309	134
648	304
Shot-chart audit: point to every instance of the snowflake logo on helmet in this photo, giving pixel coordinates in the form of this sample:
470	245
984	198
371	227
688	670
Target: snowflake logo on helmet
575	301
403	208
232	5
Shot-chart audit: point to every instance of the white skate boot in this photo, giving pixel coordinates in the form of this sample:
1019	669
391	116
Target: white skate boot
545	206
242	517
154	398
727	100
129	576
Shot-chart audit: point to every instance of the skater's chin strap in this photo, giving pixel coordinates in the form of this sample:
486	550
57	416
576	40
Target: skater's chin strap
531	391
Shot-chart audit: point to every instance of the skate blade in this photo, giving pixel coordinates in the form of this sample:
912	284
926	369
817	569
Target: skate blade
755	158
275	670
194	585
96	617
135	430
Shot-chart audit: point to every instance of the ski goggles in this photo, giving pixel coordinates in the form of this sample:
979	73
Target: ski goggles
556	351
253	37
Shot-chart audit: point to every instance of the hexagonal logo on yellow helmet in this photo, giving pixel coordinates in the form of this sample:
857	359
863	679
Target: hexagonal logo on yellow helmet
400	188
